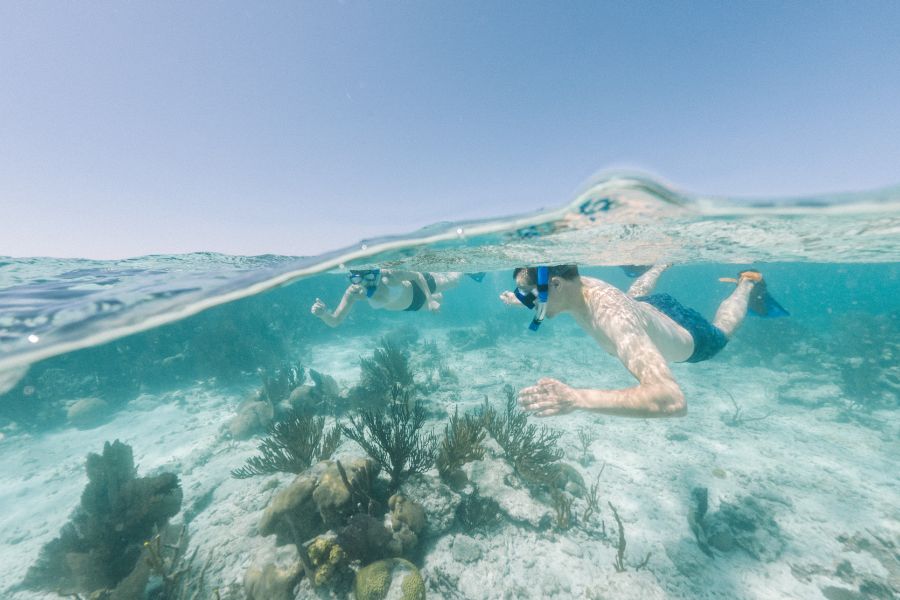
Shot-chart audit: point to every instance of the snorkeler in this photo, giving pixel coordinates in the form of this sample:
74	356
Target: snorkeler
643	331
390	290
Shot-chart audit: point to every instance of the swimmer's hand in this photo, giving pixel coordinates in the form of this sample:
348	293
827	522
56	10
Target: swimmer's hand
549	397
509	299
318	308
356	290
434	306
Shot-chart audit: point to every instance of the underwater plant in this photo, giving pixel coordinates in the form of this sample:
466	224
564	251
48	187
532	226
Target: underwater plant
619	563
562	507
387	370
104	539
592	498
586	437
531	450
292	446
279	387
394	438
461	443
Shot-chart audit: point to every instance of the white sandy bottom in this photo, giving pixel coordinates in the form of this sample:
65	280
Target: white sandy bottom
821	478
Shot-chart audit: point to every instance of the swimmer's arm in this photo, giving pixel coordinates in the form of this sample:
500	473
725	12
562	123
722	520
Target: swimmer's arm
657	393
509	298
333	319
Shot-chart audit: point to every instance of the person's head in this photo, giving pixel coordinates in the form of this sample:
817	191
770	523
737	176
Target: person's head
368	278
561	280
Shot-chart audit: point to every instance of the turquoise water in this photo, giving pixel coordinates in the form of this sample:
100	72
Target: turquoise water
790	439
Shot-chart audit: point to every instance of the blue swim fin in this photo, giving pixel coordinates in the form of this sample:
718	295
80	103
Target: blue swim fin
762	304
635	270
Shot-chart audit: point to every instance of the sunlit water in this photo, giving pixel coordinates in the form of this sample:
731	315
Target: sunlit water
792	430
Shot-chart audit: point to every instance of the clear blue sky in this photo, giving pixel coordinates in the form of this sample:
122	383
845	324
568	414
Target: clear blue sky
129	128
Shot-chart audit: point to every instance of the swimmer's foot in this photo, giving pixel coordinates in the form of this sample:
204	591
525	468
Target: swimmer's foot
754	276
760	302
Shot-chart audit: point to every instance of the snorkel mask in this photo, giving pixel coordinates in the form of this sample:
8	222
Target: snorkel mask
537	301
368	278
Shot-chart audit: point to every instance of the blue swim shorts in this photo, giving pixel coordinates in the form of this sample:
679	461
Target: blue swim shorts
708	339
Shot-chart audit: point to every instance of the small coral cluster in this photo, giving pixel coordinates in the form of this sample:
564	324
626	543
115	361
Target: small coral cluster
101	547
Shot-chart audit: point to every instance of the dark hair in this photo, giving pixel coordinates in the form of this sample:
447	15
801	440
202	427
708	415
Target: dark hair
563	271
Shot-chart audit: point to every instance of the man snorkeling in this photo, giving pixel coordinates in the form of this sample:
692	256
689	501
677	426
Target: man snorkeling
391	290
643	331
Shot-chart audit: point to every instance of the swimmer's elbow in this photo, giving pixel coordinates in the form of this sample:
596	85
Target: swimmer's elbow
669	402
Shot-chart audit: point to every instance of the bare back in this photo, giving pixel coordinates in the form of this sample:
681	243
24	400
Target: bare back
613	315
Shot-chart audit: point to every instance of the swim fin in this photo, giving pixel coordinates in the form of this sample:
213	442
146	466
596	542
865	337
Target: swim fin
477	276
635	270
762	304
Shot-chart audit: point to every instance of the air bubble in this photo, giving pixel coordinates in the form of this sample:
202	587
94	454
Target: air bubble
33	339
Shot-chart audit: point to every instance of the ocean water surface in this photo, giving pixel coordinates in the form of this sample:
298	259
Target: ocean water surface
180	427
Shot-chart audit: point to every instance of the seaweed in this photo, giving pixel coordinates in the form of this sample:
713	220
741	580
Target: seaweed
531	450
619	563
562	506
586	437
592	498
393	438
388	370
461	443
292	446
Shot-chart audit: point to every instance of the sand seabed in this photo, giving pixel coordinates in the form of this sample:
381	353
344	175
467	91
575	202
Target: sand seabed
831	487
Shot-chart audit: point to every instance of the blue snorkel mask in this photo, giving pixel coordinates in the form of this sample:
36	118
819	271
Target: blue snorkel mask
537	301
368	279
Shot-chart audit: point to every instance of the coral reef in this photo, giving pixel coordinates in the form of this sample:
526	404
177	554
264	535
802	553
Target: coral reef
461	444
327	558
322	397
273	575
278	387
407	521
252	417
364	538
384	375
394	438
531	450
744	524
390	578
291	447
315	501
101	544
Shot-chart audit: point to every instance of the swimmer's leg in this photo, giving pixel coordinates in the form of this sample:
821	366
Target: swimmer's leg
643	285
446	281
733	309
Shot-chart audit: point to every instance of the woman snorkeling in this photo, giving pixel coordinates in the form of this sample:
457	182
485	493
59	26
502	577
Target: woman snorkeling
390	290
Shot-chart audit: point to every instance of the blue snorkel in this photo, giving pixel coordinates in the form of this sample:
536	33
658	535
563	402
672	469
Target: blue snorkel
369	279
543	293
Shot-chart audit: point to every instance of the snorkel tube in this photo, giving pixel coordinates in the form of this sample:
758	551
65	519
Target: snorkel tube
368	279
543	293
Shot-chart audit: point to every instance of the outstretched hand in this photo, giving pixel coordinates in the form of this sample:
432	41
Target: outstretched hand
549	397
318	307
509	299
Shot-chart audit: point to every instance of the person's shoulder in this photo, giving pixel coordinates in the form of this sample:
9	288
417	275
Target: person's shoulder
601	290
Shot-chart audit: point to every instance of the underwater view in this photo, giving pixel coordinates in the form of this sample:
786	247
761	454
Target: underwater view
640	394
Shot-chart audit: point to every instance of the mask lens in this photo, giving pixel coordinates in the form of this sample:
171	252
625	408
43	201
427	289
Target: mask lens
371	276
354	278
